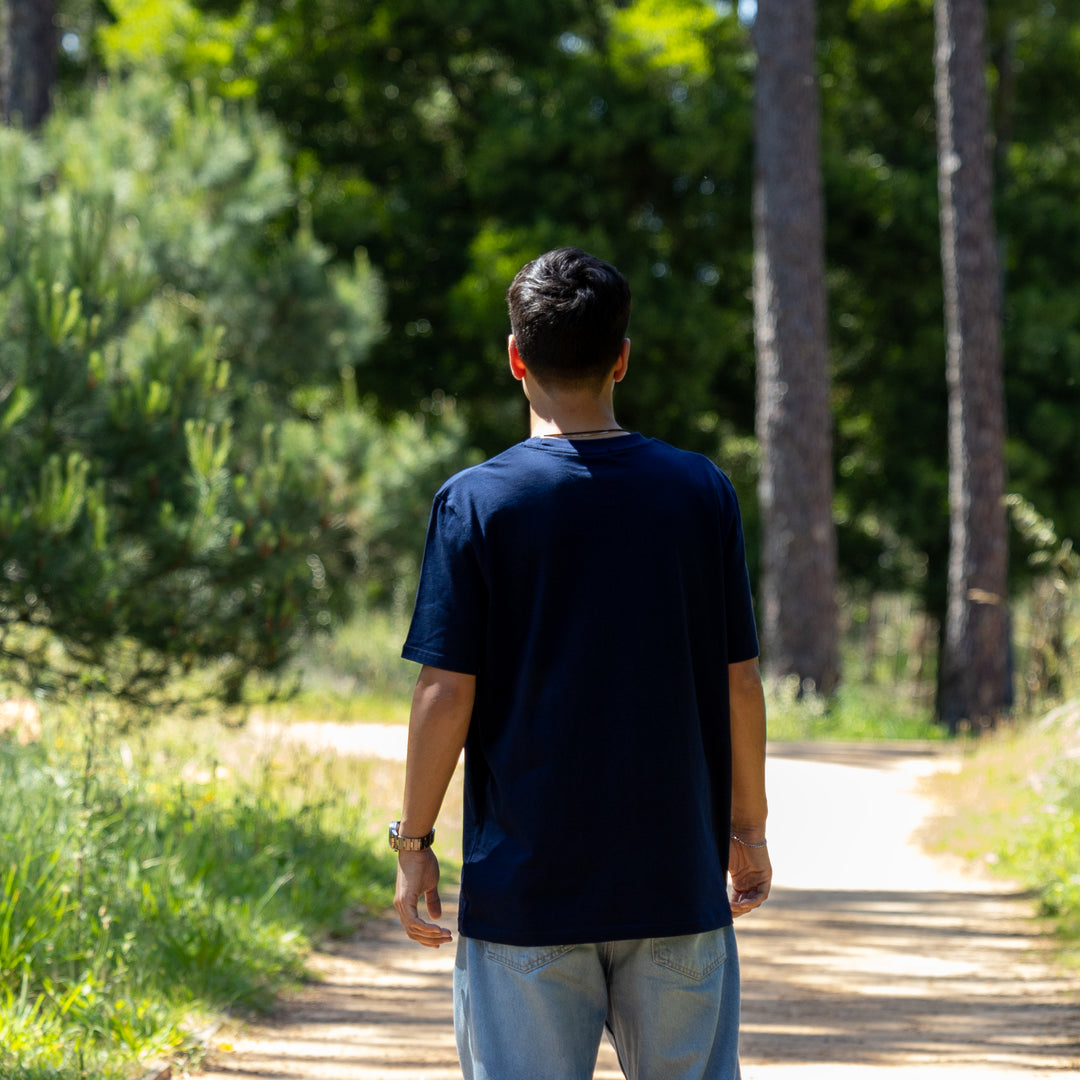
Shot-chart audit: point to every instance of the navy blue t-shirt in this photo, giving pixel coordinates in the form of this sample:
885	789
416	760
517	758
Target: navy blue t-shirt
598	591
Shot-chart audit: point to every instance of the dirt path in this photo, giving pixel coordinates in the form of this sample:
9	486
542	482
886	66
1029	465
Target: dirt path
869	956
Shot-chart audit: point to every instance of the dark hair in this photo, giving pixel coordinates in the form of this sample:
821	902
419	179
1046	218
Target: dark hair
569	311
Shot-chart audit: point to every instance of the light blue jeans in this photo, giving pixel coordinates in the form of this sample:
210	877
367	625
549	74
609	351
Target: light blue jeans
671	1006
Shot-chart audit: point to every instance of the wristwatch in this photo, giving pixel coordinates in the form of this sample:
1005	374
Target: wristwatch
409	843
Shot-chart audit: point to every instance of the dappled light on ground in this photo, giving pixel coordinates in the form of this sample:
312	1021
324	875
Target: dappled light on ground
870	956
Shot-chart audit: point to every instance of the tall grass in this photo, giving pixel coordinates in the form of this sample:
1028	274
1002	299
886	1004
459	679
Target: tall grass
357	675
154	879
142	889
888	647
857	711
1015	808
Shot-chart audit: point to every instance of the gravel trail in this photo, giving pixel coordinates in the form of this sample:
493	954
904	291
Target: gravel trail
871	960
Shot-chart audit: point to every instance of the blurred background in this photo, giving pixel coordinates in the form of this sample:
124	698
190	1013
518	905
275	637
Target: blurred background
253	261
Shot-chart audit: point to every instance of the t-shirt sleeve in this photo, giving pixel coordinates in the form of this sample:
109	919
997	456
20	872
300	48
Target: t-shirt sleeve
741	626
449	620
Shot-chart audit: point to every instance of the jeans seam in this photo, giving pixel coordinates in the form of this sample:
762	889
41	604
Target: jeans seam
535	961
695	973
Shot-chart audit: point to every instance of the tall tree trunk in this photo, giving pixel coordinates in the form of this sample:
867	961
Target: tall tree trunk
975	681
28	49
794	426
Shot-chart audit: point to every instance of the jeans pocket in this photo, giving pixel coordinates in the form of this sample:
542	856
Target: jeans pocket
696	956
524	958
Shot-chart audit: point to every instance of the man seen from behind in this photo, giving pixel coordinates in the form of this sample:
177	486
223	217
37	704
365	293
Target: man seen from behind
585	627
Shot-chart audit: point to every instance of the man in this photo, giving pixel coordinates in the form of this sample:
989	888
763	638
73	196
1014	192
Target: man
585	625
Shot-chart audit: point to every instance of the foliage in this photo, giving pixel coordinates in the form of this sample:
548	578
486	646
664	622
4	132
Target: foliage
145	886
626	128
857	711
187	475
524	128
454	140
879	146
1047	618
1017	810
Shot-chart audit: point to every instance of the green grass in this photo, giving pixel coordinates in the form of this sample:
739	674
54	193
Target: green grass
178	876
856	712
361	660
1015	807
356	676
153	880
326	705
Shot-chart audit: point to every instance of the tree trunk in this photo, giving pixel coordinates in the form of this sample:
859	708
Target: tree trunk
975	679
794	427
27	60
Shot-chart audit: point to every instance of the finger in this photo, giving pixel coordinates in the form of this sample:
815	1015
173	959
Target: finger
425	933
407	912
744	901
434	903
418	929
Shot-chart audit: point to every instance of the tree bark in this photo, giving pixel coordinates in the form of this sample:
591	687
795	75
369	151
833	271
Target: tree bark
794	426
975	678
28	50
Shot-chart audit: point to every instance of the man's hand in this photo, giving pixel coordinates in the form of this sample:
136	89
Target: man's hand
751	877
418	875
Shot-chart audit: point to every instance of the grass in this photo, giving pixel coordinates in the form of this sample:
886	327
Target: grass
150	882
362	660
326	705
356	676
155	879
857	711
1015	807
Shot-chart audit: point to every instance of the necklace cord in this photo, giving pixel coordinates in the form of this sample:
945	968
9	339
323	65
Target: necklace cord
573	434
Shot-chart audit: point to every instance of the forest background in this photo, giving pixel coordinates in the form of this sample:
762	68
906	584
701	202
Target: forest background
319	205
252	276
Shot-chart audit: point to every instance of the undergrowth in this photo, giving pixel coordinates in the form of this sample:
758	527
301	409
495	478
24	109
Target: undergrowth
856	711
1015	807
146	884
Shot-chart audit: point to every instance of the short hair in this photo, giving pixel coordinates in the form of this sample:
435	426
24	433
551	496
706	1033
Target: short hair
569	312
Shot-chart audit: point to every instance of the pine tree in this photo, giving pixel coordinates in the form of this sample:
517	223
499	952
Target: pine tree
28	51
167	497
975	663
794	425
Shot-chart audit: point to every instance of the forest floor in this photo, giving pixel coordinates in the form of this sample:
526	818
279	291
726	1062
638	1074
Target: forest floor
870	959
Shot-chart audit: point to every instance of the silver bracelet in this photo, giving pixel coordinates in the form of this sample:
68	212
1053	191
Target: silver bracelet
764	843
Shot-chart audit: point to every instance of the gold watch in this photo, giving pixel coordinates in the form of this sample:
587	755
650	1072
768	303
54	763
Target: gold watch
409	843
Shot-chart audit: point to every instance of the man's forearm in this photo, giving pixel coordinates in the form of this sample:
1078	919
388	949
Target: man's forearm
438	723
749	807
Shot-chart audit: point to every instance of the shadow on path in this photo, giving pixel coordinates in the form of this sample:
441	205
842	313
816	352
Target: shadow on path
883	978
869	955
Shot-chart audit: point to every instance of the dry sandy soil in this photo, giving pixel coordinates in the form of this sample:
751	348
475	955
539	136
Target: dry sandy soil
871	959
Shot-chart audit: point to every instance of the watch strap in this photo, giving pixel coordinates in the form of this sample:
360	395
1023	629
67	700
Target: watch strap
409	843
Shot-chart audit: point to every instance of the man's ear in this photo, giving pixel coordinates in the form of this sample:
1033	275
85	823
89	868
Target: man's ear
623	362
517	365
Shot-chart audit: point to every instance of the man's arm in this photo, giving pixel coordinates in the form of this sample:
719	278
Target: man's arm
438	723
749	866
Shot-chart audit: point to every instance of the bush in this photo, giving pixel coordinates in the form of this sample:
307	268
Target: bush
188	475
